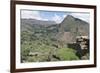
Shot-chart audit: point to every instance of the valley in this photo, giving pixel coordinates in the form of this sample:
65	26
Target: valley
46	41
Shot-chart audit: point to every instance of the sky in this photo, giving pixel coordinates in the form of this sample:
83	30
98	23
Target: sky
56	16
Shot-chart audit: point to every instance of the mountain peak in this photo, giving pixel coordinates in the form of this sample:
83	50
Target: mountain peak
70	17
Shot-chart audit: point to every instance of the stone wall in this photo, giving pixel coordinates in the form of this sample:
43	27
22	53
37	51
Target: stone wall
81	46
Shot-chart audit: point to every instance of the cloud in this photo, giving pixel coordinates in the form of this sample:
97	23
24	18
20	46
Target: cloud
82	16
57	18
32	15
65	15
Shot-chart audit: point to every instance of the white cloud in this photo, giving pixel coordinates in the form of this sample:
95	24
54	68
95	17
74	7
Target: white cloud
82	16
32	15
64	15
44	19
57	18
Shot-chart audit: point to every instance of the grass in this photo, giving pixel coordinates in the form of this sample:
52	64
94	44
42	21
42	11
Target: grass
67	54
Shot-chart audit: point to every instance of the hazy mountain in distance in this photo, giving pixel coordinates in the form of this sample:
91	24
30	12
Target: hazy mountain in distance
29	23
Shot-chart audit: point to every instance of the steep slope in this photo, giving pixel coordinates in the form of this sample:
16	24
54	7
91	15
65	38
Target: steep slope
74	27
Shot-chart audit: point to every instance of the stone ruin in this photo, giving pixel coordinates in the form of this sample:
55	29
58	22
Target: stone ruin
81	46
